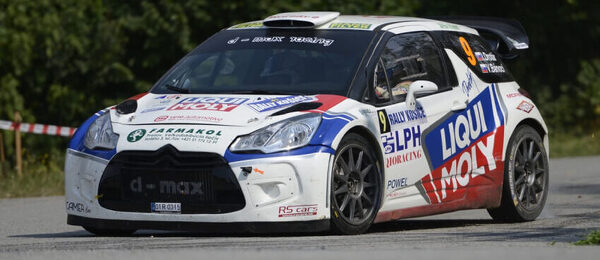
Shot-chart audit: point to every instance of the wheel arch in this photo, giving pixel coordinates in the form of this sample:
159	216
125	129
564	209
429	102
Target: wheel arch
373	142
539	127
535	125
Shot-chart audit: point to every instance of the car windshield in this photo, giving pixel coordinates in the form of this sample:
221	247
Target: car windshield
261	61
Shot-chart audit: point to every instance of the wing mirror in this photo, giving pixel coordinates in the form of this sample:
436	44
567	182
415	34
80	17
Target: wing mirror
418	87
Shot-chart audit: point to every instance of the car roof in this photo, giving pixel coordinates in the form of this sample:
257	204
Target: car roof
335	21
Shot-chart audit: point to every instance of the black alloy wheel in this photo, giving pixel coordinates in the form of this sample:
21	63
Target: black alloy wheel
525	187
356	186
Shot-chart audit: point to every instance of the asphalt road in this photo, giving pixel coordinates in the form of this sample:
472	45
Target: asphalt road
35	228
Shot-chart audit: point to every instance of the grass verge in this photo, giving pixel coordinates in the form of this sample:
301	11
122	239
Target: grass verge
591	239
42	176
570	145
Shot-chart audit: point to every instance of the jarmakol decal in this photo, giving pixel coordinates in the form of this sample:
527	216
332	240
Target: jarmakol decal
463	149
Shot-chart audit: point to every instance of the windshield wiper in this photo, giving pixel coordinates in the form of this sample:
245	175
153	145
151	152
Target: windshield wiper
267	92
178	89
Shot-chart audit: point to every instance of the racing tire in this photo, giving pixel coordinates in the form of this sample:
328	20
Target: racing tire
525	184
355	186
109	232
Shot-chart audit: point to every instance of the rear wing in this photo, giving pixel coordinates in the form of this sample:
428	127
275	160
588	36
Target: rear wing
506	36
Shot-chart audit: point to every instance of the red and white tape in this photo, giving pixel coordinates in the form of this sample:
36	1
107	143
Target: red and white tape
38	128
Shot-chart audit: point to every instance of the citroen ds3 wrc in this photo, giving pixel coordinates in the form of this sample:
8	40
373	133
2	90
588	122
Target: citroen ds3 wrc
311	121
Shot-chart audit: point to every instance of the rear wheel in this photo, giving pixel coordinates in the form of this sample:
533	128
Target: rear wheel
355	187
109	232
525	187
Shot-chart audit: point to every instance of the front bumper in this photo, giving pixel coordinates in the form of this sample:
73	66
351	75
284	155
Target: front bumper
286	190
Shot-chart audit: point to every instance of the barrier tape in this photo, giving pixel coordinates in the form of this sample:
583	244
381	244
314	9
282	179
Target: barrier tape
38	128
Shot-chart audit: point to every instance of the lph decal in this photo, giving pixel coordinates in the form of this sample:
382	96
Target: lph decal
398	141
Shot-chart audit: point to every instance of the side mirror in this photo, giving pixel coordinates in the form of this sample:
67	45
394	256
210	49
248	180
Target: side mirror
418	87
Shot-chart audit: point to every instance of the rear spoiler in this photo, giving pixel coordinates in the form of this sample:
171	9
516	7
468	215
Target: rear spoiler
506	36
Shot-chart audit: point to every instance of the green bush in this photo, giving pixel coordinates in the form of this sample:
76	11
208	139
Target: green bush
591	239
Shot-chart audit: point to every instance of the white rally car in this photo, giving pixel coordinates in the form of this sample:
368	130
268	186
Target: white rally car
309	121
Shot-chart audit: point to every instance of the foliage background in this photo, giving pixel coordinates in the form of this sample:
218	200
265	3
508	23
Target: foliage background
62	60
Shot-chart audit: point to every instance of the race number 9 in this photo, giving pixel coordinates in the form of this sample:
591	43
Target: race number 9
384	125
468	51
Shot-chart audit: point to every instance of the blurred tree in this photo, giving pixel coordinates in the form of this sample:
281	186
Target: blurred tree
62	60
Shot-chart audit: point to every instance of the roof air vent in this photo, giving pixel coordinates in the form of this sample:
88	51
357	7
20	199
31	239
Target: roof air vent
299	19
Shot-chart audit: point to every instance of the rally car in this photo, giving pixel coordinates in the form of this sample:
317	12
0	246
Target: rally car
311	121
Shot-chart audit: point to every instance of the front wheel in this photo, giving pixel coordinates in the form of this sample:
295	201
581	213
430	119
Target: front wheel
355	187
525	187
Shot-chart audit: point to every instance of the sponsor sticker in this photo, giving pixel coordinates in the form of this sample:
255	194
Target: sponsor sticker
136	135
395	187
192	188
468	84
77	207
222	104
416	116
449	26
154	109
525	106
165	207
463	147
513	95
276	103
187	134
363	26
247	25
402	158
313	40
298	210
398	141
177	96
396	183
268	39
193	118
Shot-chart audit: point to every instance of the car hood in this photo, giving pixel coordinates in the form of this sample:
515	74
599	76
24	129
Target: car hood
225	110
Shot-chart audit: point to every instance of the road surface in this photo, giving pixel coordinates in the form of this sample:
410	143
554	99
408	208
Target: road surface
35	228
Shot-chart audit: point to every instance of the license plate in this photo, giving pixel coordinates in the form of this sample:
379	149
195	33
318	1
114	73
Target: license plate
165	207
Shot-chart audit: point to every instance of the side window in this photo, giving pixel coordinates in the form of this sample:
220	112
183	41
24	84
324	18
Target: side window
380	83
410	57
475	52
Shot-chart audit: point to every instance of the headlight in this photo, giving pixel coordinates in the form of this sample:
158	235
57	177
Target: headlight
282	136
100	135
